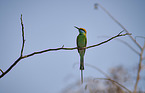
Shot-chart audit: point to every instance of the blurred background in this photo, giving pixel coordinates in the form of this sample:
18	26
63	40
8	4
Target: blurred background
50	24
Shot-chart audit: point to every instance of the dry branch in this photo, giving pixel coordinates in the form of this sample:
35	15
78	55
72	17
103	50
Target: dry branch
133	39
115	83
126	43
139	68
109	39
96	5
108	77
55	49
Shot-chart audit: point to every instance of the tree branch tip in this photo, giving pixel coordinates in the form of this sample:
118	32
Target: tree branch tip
96	5
128	33
21	17
1	71
124	34
121	32
62	46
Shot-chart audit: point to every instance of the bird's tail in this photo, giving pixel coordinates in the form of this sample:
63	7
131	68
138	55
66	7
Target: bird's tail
81	62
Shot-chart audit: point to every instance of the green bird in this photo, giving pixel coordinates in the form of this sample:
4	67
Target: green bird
81	44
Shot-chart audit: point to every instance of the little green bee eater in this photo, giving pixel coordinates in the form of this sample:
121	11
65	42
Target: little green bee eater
81	44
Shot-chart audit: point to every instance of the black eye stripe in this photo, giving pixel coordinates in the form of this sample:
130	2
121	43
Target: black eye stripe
82	30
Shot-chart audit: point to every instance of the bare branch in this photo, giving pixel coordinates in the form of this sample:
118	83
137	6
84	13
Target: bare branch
107	76
118	24
109	40
126	43
139	69
4	73
23	38
43	51
141	48
62	48
116	83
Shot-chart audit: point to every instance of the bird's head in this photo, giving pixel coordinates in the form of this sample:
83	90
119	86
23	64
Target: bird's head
81	30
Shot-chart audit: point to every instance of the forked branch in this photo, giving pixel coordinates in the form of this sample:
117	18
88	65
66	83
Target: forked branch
47	50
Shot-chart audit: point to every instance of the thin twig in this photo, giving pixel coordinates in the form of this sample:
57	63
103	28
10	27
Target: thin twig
139	69
109	40
1	71
119	24
105	74
116	83
43	51
126	43
134	40
23	38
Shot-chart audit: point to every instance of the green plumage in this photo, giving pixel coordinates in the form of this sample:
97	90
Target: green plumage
81	42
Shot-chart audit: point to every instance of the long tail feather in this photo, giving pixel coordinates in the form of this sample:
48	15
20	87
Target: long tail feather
81	67
81	62
81	76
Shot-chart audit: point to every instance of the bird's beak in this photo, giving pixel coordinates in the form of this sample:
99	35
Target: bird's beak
76	27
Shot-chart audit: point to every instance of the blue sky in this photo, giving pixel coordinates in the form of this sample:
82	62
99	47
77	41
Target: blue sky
50	24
